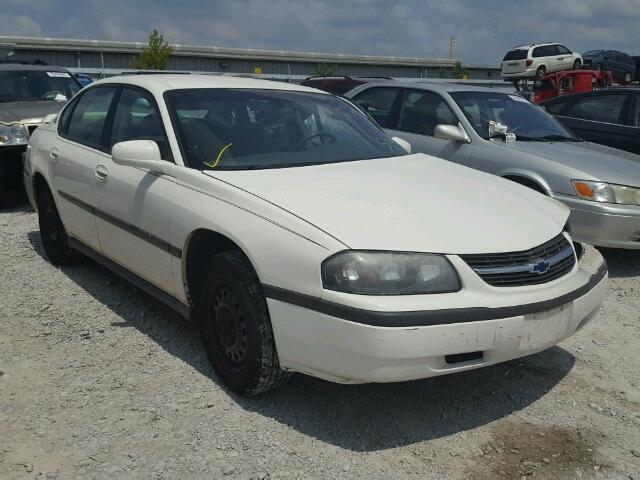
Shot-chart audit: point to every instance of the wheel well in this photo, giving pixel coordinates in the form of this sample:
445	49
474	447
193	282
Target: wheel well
203	245
527	182
38	183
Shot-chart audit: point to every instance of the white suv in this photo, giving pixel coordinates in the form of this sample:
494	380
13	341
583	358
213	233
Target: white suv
536	60
300	237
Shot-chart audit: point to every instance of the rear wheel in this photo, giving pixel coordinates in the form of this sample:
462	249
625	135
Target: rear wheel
235	327
541	71
628	77
54	237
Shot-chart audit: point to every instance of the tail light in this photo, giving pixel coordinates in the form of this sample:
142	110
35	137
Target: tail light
529	62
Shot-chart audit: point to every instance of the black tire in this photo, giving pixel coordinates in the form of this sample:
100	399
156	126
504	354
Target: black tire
54	237
234	324
541	71
577	64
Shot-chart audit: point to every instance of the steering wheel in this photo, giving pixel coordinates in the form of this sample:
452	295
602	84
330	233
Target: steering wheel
320	134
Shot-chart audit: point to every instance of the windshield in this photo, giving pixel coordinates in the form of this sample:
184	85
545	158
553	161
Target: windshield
237	129
33	85
593	53
522	118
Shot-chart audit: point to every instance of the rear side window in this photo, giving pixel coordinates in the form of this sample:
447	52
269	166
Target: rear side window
600	108
378	102
89	116
546	51
515	55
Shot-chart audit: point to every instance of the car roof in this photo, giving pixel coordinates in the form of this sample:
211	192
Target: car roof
527	47
21	67
436	87
160	83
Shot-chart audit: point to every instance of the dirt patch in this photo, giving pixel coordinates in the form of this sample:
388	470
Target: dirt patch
519	450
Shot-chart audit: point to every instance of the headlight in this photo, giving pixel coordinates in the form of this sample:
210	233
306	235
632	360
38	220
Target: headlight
606	192
15	134
389	273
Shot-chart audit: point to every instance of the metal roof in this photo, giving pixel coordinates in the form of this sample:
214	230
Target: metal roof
47	43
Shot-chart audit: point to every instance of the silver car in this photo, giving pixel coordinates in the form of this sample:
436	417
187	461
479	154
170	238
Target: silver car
508	136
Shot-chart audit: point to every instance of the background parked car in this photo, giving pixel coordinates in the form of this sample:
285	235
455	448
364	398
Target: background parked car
536	60
609	117
620	64
28	93
83	79
338	85
601	185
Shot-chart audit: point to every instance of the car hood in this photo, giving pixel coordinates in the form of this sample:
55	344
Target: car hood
28	112
591	160
413	203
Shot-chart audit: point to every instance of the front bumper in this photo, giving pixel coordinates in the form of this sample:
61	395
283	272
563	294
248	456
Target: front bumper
603	224
350	351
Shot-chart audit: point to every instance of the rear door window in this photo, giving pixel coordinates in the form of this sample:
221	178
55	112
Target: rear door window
598	108
87	122
378	102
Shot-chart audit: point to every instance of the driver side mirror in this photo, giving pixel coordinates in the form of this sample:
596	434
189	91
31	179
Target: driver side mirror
141	154
450	132
406	146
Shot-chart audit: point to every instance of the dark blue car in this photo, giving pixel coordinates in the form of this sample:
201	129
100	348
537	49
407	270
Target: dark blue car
620	64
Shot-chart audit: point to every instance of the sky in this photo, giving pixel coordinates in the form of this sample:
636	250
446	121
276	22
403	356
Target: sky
484	30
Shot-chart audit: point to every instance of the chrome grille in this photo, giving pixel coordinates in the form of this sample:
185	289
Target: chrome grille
542	264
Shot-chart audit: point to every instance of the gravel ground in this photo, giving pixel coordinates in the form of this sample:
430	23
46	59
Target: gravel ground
98	380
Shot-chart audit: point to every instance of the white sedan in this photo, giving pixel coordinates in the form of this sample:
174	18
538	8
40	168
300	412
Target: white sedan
299	237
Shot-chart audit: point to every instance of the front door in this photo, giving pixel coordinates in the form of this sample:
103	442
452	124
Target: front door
420	112
132	204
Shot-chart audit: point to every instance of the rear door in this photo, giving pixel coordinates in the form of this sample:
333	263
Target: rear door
419	113
601	118
80	148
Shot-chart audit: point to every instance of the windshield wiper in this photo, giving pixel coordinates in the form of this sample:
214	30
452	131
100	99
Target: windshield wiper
558	138
524	138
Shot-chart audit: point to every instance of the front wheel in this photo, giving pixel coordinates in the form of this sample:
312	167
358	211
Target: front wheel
577	64
235	327
54	236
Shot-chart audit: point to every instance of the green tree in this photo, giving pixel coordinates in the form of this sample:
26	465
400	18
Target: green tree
156	55
458	72
325	70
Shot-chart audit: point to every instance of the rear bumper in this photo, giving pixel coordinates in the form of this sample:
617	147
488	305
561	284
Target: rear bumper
346	351
603	225
528	72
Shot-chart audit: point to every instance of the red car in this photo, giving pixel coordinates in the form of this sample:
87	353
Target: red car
571	81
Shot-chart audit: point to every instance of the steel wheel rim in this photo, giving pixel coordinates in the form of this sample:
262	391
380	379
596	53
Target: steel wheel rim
229	327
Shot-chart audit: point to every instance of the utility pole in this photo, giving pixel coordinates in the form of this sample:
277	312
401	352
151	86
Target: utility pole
452	44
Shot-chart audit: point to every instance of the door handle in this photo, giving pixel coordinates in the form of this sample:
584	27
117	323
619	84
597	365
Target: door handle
102	173
54	153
